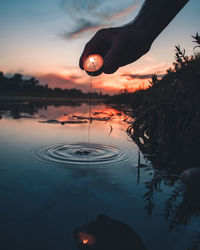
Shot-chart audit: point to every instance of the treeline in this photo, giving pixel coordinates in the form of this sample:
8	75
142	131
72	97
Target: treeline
18	85
167	114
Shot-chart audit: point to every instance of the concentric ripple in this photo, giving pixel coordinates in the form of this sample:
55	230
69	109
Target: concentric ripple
82	155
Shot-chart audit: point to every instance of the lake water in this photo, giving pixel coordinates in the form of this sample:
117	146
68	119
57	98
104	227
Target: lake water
60	170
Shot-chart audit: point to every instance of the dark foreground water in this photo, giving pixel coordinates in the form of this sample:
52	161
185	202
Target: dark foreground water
59	170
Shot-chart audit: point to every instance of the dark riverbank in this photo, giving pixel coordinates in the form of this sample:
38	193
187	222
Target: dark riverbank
167	115
50	100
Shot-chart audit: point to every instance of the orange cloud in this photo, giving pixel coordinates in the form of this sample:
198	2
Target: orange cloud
124	12
86	26
131	77
58	81
82	30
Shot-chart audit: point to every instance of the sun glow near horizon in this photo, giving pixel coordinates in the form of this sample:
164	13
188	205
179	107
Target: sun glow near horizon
129	77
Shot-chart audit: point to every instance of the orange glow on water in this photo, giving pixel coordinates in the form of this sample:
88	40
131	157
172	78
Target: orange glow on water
98	113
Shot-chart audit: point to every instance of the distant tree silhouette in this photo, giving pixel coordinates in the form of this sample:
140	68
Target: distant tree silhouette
21	86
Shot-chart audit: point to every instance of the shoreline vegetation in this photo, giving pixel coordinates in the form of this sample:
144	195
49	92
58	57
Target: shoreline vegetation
167	114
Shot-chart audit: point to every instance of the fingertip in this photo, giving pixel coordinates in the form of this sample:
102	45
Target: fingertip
95	73
111	61
82	58
81	64
96	45
84	55
110	70
109	66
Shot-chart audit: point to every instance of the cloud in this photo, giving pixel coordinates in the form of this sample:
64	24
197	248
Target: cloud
79	30
143	76
69	79
87	15
54	80
124	12
75	77
58	81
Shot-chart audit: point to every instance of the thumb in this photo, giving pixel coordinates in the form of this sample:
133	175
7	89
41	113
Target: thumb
111	61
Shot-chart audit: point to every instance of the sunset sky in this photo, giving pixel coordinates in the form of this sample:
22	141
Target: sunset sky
45	39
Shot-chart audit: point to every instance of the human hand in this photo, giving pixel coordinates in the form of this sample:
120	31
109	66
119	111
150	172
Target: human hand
118	46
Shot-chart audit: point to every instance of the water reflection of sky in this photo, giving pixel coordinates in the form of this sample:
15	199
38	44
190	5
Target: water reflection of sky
41	203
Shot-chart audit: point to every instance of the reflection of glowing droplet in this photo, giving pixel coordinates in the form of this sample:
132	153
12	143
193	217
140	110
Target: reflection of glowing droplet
87	239
93	63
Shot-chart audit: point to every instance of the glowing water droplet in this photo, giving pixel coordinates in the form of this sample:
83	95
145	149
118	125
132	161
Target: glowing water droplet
93	63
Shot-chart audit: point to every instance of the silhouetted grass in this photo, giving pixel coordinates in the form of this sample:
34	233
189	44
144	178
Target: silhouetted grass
167	114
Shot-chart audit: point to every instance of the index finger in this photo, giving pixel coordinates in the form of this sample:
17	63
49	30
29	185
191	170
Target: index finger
97	45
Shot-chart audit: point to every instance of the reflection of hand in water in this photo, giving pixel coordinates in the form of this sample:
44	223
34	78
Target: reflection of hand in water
107	234
191	178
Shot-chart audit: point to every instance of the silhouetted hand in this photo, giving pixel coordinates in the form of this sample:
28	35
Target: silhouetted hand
118	46
124	45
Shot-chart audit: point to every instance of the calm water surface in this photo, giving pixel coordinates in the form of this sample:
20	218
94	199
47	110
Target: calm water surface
54	178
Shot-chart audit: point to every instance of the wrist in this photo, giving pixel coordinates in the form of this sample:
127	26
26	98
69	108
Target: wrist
139	25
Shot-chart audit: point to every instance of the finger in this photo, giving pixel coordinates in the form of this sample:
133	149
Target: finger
97	45
90	48
82	58
111	61
95	73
